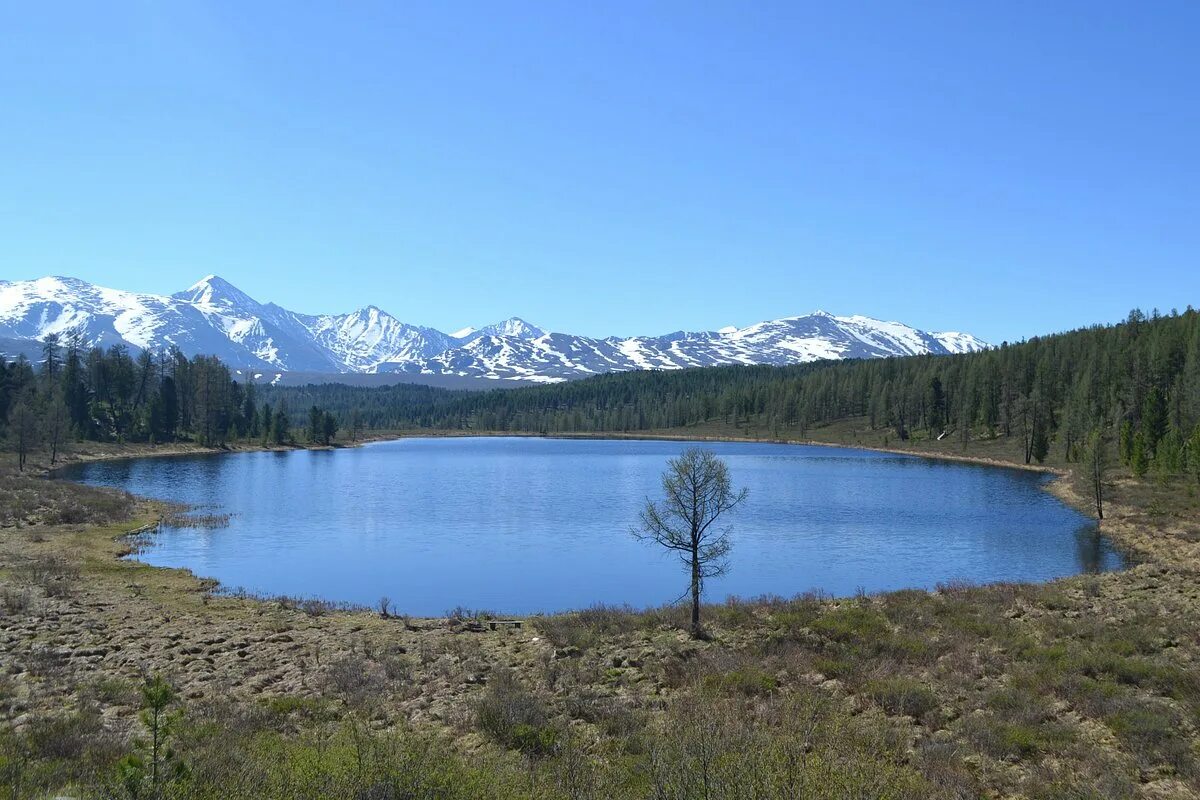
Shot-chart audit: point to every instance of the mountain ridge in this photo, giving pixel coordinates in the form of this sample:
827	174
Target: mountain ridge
214	317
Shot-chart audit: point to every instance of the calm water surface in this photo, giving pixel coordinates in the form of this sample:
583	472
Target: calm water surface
526	524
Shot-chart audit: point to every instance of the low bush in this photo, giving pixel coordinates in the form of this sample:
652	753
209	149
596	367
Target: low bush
750	682
612	716
511	714
55	576
798	746
584	628
900	695
356	679
14	601
1155	736
1005	739
853	623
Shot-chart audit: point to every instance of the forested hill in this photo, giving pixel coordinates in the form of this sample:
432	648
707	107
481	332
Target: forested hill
1137	382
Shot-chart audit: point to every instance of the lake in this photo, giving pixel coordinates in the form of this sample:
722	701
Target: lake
522	525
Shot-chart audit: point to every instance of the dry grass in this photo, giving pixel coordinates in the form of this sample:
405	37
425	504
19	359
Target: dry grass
27	500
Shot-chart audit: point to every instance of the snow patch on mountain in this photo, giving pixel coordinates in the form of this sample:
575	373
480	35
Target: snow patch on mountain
958	342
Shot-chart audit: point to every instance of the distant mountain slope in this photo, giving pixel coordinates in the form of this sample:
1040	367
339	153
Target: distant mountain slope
215	317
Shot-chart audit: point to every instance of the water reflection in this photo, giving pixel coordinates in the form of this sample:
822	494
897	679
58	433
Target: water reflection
540	524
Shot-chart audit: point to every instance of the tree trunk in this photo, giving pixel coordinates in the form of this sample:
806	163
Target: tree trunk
695	592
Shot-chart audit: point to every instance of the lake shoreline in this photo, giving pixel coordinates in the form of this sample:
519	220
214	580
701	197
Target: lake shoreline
233	582
1133	547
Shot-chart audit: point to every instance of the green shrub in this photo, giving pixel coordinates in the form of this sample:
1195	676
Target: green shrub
534	740
853	624
1002	738
750	682
1154	734
833	667
508	707
583	629
900	695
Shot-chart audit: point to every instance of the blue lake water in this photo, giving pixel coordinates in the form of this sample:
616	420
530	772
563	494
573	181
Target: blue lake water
526	524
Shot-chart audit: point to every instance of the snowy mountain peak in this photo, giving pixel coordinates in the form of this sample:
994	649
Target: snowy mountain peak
214	317
215	291
514	327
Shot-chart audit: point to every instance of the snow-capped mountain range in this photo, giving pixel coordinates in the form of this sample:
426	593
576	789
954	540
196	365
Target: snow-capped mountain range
214	317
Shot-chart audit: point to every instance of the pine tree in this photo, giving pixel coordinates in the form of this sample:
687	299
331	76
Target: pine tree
267	425
315	425
1193	447
50	358
281	430
1139	459
1040	445
1126	442
1154	419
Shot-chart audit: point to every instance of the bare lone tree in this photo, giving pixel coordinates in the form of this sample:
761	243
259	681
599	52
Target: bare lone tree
697	492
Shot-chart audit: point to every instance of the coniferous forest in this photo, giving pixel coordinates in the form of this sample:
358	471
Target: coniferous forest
82	393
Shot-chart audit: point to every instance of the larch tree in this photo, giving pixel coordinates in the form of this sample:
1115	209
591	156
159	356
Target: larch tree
697	492
1096	462
23	427
56	423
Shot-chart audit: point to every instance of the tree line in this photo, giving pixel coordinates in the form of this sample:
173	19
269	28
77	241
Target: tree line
78	392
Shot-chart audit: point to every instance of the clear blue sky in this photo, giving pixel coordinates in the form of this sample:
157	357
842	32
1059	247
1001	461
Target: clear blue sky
1007	168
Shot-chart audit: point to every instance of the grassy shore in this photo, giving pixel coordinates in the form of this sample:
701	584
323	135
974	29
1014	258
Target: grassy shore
1083	687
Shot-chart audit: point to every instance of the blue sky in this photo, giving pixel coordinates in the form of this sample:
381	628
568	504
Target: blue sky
1007	168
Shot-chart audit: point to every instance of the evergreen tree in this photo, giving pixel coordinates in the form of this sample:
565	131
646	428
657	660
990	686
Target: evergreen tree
267	425
316	425
1193	451
1154	419
1126	442
329	427
50	358
1139	458
281	431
